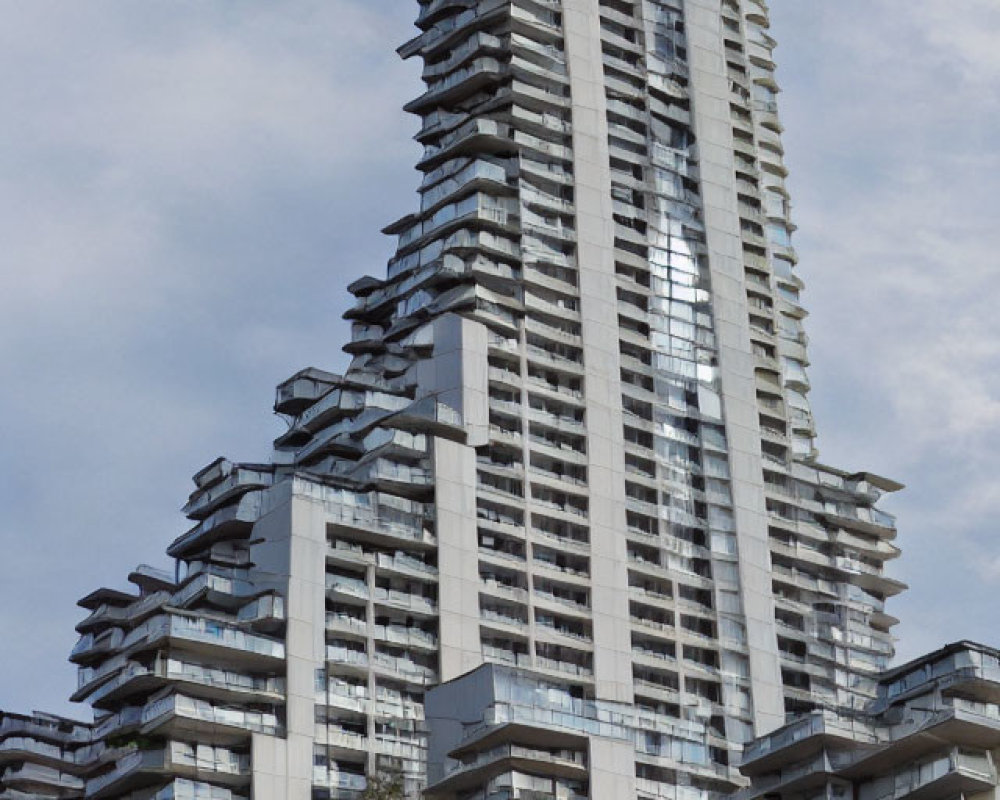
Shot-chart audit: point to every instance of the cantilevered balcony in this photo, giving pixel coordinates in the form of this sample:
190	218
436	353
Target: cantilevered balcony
184	716
29	781
146	769
208	635
240	480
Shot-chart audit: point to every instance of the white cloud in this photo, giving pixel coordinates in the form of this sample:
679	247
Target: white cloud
964	36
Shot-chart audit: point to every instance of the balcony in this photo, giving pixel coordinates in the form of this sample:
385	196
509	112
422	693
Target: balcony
464	81
17	747
479	135
183	789
205	584
346	656
37	780
501	589
343	739
404	601
201	716
207	634
356	519
342	785
113	616
346	588
129	773
481	767
404	667
301	390
91	647
406	636
457	176
45	727
127	720
240	480
224	522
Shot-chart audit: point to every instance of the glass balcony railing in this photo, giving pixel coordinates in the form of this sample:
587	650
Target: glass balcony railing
325	777
18	744
203	711
353	587
401	562
200	629
34	774
241	480
345	655
182	789
44	727
403	635
128	717
406	667
405	600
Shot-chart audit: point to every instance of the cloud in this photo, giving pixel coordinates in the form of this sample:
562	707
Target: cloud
188	190
965	39
891	142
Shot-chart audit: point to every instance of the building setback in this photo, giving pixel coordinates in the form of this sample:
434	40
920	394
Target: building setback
933	732
571	461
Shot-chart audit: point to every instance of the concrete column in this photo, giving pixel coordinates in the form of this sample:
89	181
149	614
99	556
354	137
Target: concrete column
599	316
292	528
713	132
458	558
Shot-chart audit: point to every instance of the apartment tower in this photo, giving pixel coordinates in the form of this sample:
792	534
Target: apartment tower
559	530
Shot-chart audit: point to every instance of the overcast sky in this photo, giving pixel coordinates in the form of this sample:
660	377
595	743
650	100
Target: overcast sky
187	188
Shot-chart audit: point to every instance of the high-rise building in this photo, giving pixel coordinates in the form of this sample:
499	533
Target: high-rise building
569	473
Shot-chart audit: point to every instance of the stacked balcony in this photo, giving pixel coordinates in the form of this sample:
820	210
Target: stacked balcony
932	731
44	756
192	656
509	130
187	659
828	565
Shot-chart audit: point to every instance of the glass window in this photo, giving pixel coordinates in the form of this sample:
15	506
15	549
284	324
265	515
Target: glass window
778	234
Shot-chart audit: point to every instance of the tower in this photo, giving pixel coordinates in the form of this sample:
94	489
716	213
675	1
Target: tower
573	441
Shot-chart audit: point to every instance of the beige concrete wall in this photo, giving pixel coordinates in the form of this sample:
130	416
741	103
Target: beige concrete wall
599	316
612	769
713	131
293	525
458	375
458	557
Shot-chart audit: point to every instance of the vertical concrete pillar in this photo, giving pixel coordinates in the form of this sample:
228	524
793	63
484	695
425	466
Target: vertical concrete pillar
713	132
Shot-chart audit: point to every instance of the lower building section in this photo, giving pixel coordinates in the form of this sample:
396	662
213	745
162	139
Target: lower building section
303	644
286	657
43	756
503	733
932	733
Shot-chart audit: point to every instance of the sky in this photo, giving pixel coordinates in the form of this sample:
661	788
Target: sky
187	187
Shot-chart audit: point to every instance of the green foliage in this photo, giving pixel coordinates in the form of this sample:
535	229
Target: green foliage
131	740
384	787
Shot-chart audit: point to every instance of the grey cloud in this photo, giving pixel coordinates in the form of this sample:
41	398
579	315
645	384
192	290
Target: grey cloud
188	188
891	141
